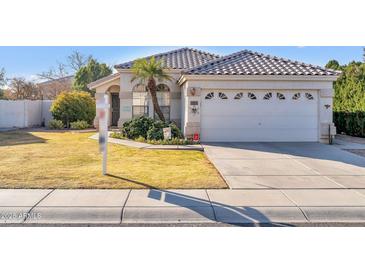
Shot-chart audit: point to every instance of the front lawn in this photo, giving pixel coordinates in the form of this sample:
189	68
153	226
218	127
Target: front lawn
72	160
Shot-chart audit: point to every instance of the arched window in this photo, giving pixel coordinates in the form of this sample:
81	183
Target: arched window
296	96
209	96
309	96
268	96
163	88
251	96
238	96
139	88
222	95
140	101
163	97
280	96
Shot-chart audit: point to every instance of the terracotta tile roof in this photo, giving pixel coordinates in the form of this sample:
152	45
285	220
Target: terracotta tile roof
184	58
247	62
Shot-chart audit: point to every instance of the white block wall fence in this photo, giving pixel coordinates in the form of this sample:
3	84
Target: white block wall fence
24	113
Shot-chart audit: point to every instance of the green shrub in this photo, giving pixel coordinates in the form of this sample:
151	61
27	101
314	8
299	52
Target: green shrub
55	124
350	123
137	127
148	129
117	135
79	125
155	132
173	141
140	139
74	106
175	131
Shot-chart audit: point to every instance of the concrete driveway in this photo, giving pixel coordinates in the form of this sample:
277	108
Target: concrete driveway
287	165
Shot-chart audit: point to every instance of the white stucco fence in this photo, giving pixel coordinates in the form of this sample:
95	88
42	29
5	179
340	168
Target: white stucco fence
24	113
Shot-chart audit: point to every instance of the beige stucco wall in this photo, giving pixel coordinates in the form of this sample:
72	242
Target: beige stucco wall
126	95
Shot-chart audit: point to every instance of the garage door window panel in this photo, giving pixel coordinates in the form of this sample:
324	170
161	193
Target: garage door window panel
222	95
251	96
238	96
209	96
280	96
296	96
267	96
309	96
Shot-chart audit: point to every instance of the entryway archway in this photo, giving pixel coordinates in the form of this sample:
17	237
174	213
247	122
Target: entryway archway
114	105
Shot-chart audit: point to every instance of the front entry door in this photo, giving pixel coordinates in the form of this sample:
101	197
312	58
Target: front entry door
115	109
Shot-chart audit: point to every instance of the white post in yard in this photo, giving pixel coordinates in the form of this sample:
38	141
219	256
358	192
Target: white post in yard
102	107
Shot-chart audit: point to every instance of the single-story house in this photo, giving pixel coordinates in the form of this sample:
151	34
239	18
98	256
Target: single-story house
245	96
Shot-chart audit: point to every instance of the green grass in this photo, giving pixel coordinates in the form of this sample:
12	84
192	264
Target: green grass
72	160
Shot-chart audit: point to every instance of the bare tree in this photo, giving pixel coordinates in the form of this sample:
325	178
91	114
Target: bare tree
77	60
54	74
23	89
54	81
59	79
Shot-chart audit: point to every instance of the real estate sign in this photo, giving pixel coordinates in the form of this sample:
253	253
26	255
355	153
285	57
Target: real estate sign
102	107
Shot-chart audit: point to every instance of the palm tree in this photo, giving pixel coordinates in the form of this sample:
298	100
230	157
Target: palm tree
149	72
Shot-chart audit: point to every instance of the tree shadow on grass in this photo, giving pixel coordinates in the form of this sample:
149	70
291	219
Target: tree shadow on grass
19	137
233	215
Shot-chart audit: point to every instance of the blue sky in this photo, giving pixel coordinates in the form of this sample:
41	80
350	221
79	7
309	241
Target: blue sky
28	61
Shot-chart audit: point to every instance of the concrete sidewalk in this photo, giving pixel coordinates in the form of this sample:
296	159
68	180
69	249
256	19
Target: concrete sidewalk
191	207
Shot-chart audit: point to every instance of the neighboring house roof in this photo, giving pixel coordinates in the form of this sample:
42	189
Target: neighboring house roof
67	79
184	58
247	62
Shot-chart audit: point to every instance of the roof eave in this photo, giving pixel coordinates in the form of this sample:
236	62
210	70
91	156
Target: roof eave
103	80
186	77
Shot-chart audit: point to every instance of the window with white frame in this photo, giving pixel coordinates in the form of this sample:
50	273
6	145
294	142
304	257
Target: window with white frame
163	97
139	101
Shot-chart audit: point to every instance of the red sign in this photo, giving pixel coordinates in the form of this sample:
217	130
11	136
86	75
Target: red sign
101	114
196	137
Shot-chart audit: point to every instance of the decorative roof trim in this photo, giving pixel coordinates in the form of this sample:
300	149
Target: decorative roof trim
103	80
186	77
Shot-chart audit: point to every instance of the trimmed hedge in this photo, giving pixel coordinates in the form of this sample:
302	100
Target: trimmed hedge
350	123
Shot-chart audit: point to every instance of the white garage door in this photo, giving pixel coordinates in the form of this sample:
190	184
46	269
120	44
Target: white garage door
257	116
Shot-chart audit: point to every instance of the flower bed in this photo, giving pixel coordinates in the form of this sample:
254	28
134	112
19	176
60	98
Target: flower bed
172	141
